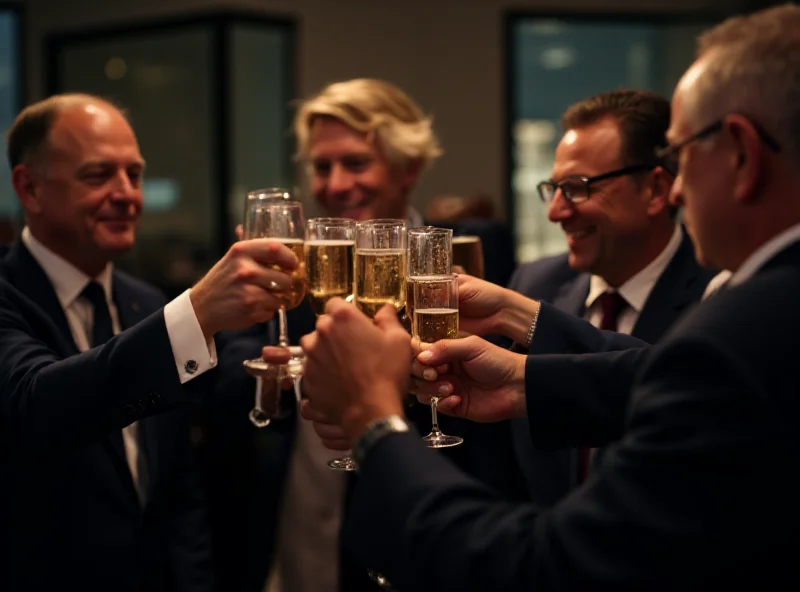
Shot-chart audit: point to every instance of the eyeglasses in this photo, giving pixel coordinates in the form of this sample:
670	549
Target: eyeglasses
576	189
669	154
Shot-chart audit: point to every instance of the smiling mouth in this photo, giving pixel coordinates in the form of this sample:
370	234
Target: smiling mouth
579	234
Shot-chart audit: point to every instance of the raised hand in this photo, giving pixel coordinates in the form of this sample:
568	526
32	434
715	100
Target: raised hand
239	290
475	379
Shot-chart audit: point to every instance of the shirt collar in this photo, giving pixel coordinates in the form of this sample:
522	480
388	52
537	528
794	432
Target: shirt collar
764	253
68	281
636	290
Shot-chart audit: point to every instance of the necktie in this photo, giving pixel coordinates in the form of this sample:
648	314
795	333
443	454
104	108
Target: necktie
102	331
611	304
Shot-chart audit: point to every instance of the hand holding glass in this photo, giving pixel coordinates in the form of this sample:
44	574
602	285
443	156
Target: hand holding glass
380	278
436	318
270	213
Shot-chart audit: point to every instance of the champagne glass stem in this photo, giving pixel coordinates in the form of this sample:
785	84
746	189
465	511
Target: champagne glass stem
283	340
434	416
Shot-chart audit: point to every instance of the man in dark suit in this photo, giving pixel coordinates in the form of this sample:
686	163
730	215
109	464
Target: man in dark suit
629	267
698	491
97	370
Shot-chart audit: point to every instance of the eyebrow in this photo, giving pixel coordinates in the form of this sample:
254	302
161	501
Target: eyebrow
106	163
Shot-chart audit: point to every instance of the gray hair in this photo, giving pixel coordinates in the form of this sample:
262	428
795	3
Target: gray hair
753	68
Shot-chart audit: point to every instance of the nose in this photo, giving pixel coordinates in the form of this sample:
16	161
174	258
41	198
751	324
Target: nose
676	192
560	209
340	180
124	189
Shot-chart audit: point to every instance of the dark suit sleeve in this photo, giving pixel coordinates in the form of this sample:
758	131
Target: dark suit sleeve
664	510
47	401
580	400
578	380
558	332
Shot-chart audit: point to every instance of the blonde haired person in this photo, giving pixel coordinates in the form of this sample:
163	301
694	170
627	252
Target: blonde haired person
364	144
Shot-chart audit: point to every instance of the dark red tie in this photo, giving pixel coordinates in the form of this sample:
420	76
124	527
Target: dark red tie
611	303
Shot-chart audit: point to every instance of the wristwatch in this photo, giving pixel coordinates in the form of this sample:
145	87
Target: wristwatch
374	432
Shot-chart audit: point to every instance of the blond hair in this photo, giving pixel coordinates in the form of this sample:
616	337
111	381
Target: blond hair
377	108
753	68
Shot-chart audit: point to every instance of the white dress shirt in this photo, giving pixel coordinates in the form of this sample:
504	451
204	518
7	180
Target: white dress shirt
635	291
185	335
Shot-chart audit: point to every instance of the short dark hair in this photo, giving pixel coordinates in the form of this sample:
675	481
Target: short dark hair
28	134
643	118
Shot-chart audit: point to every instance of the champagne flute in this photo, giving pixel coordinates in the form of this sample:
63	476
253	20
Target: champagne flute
468	255
329	247
430	252
269	213
380	278
272	214
436	318
380	264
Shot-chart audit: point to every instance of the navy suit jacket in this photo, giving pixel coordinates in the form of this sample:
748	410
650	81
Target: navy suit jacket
69	514
698	491
550	472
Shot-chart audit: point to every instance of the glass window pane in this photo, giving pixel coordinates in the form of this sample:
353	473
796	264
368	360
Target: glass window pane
261	63
9	105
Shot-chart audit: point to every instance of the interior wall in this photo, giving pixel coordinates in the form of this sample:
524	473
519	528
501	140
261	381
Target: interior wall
448	54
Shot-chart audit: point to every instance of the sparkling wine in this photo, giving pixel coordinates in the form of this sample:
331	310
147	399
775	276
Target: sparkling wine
329	268
435	324
380	279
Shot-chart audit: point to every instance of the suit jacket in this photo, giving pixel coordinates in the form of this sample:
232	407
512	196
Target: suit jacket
551	473
69	514
699	493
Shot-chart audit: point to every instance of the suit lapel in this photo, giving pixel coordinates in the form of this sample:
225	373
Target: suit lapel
675	290
25	273
572	295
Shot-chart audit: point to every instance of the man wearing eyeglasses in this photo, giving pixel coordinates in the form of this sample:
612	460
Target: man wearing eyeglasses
629	267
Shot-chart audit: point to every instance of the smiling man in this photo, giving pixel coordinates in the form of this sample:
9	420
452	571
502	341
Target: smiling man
365	143
629	267
97	370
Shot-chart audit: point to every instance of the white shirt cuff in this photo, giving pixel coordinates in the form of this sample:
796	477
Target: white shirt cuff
193	354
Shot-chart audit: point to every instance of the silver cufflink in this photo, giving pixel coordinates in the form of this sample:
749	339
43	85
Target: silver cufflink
190	366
